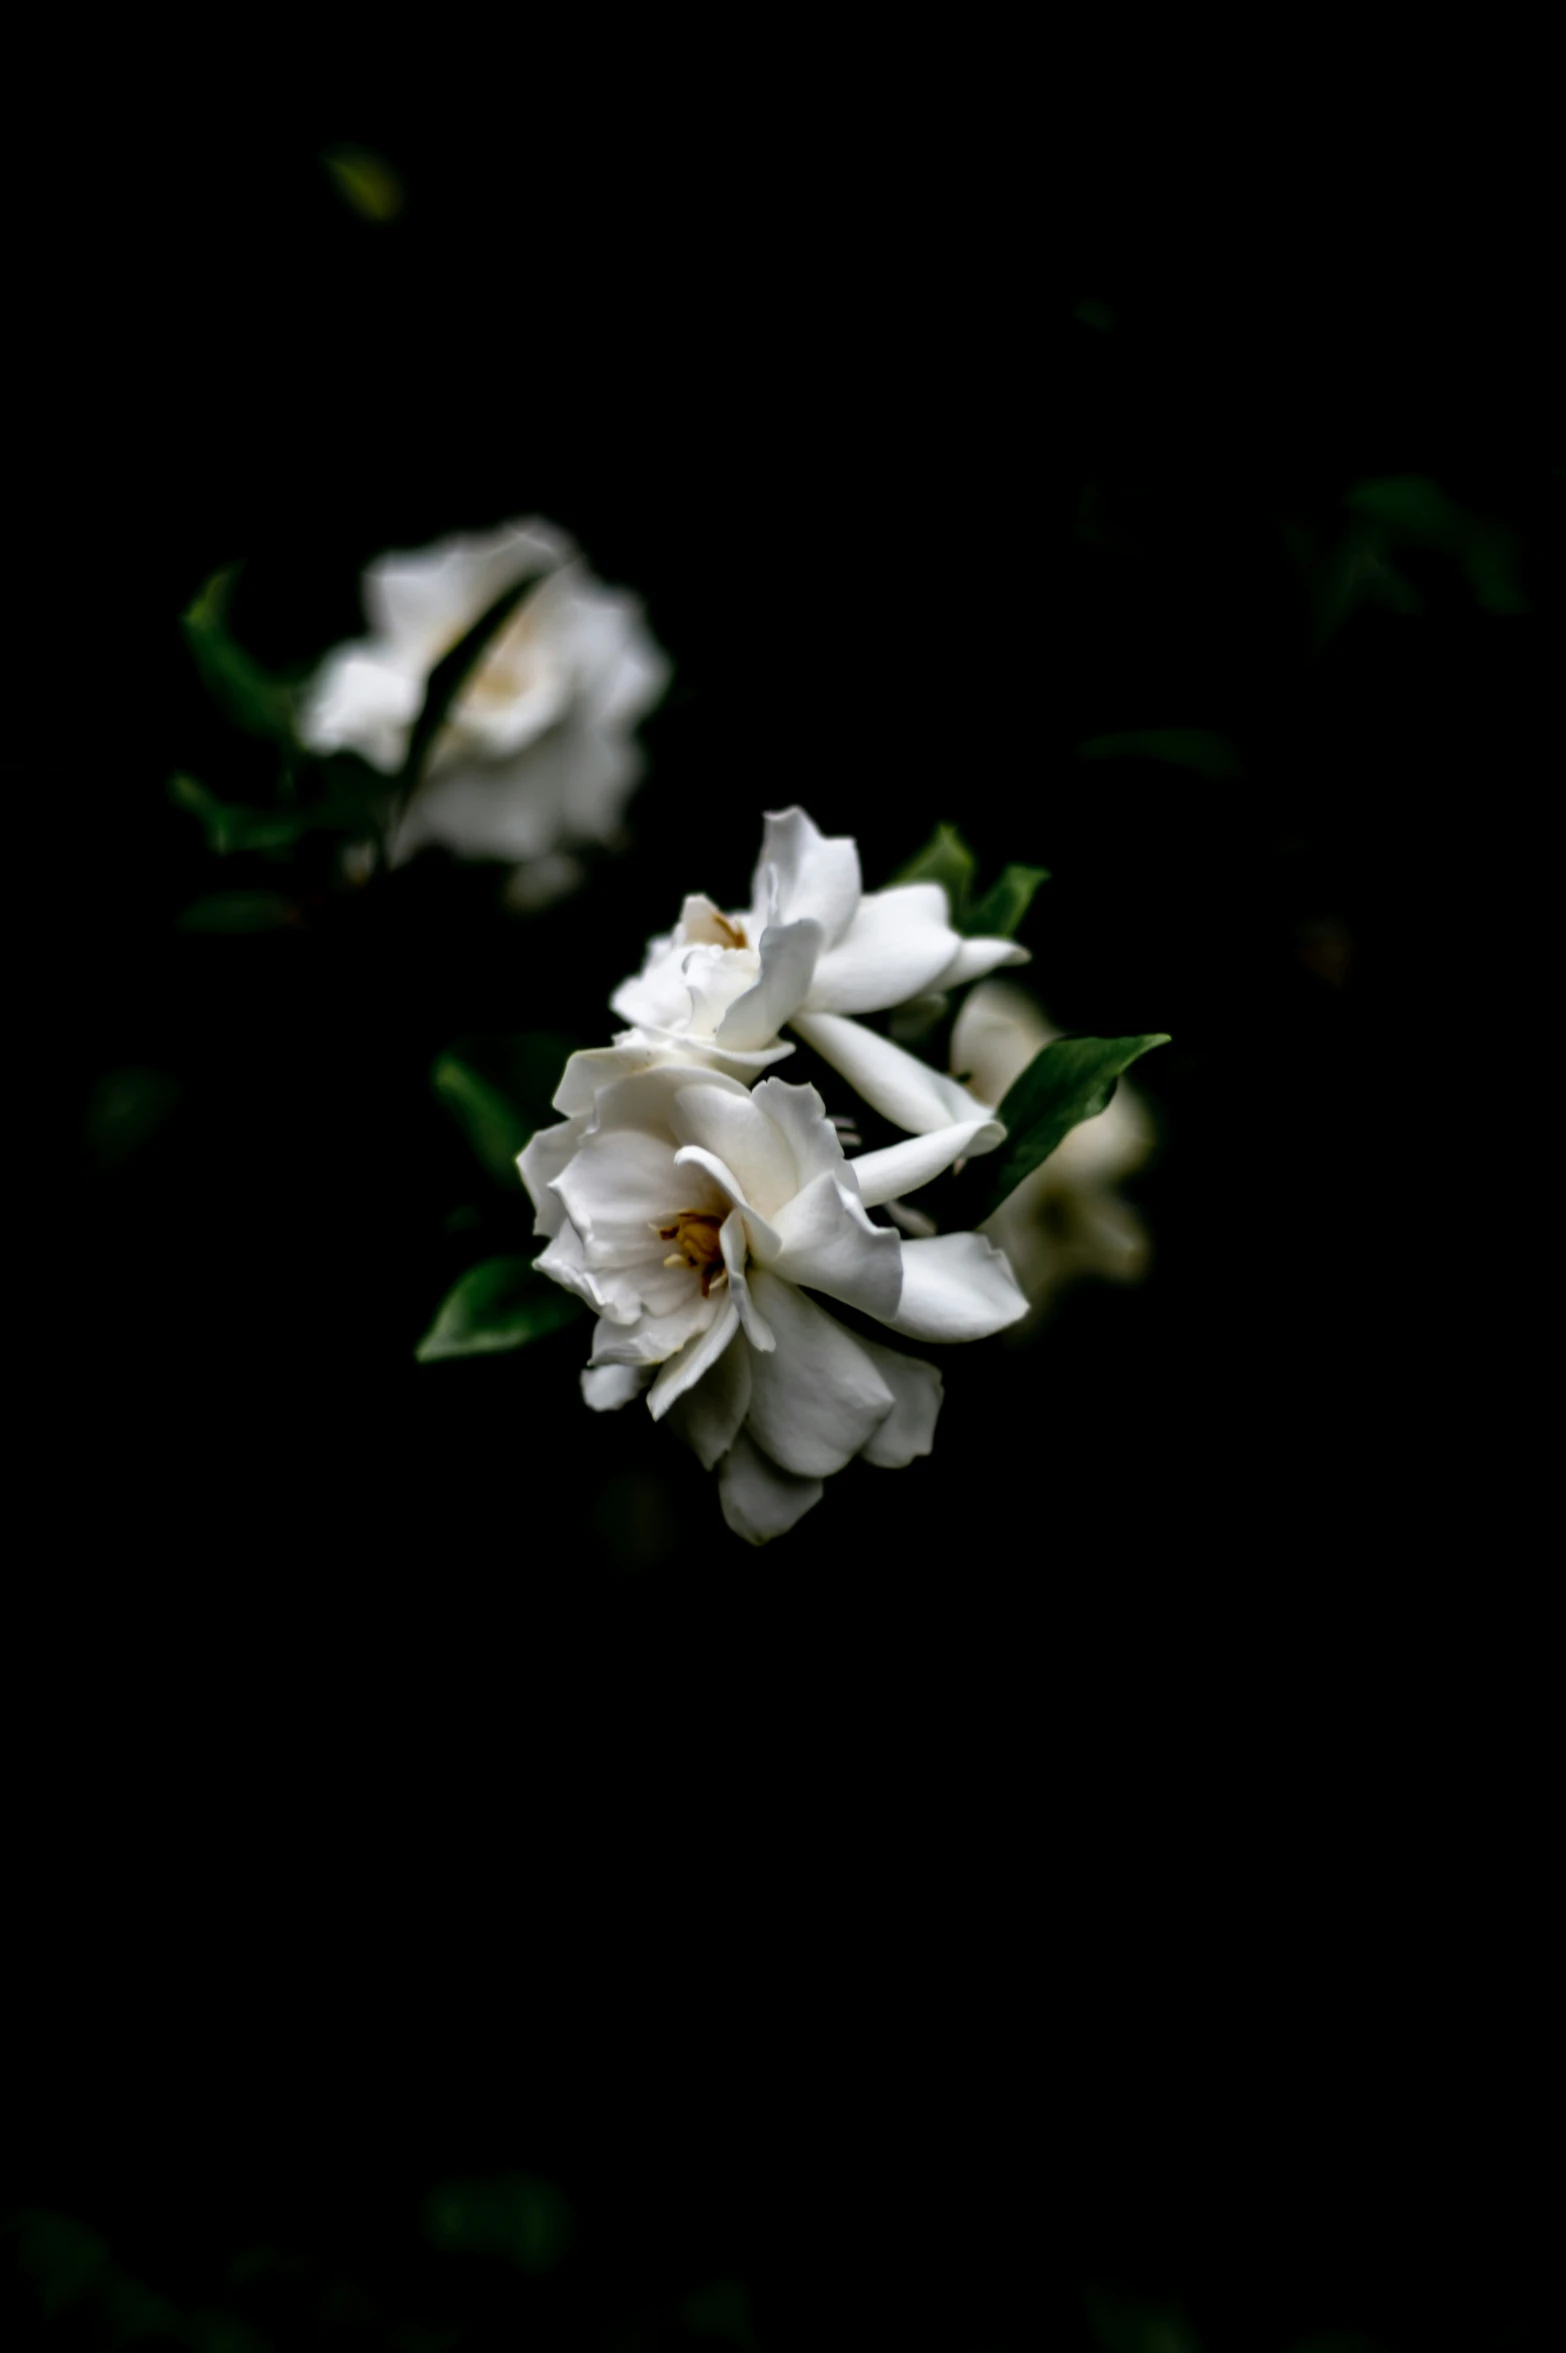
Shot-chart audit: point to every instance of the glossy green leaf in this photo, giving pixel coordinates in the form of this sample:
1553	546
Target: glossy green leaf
256	701
493	1124
239	911
501	1303
451	674
1171	747
996	915
1066	1082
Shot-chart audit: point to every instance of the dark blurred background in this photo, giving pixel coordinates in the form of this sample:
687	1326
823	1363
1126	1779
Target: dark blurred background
1086	1889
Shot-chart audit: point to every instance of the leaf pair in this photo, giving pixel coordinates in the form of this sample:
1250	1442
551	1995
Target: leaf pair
995	913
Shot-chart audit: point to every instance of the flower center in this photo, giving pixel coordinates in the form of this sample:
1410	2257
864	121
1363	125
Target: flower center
733	933
695	1234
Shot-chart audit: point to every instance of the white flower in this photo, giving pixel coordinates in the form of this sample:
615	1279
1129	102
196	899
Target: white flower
688	1212
812	950
1065	1219
537	751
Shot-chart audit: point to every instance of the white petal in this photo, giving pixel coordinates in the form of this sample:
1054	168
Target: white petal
735	1127
723	1191
997	1032
617	1189
909	1429
817	1398
361	699
903	1168
682	1372
709	1415
816	875
546	1153
788	962
424	599
652	1339
828	1242
897	946
799	1116
645	1099
897	1084
564	1264
956	1287
976	957
607	1387
759	1499
735	1240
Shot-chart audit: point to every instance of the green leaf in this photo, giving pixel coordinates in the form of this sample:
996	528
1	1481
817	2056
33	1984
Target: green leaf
518	2216
451	674
501	1303
492	1123
239	911
1068	1081
346	804
997	914
249	695
1173	747
946	859
1413	508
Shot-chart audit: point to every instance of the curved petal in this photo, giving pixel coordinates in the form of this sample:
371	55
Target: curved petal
735	1243
645	1099
736	1129
996	1034
897	1084
759	1499
897	946
361	699
654	1338
708	1417
828	1242
542	1158
606	1387
563	1263
909	1429
903	1168
788	962
679	1373
721	1180
423	599
956	1287
800	1118
817	1398
977	957
817	875
617	1189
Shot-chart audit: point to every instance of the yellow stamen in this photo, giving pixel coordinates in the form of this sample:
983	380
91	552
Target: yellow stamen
734	933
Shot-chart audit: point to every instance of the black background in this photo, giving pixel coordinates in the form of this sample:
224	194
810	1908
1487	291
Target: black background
1106	1853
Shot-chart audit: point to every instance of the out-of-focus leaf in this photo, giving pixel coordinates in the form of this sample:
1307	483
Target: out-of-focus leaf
347	804
451	674
1172	747
946	859
492	1123
525	1065
126	1109
249	695
722	2313
996	915
1411	506
515	2215
239	911
501	1303
1068	1081
365	182
1130	2324
1412	510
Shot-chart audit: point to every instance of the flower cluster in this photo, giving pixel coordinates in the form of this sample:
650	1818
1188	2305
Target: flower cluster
703	1207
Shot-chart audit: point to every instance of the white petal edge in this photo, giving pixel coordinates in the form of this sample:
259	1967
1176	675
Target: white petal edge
761	1500
903	1168
909	1429
897	1084
956	1287
817	1398
606	1387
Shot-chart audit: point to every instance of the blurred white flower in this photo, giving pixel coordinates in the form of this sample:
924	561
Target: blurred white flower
687	1212
538	750
1064	1220
813	949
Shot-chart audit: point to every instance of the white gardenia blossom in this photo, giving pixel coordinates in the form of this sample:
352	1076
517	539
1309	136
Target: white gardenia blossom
538	751
1065	1218
811	951
688	1211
